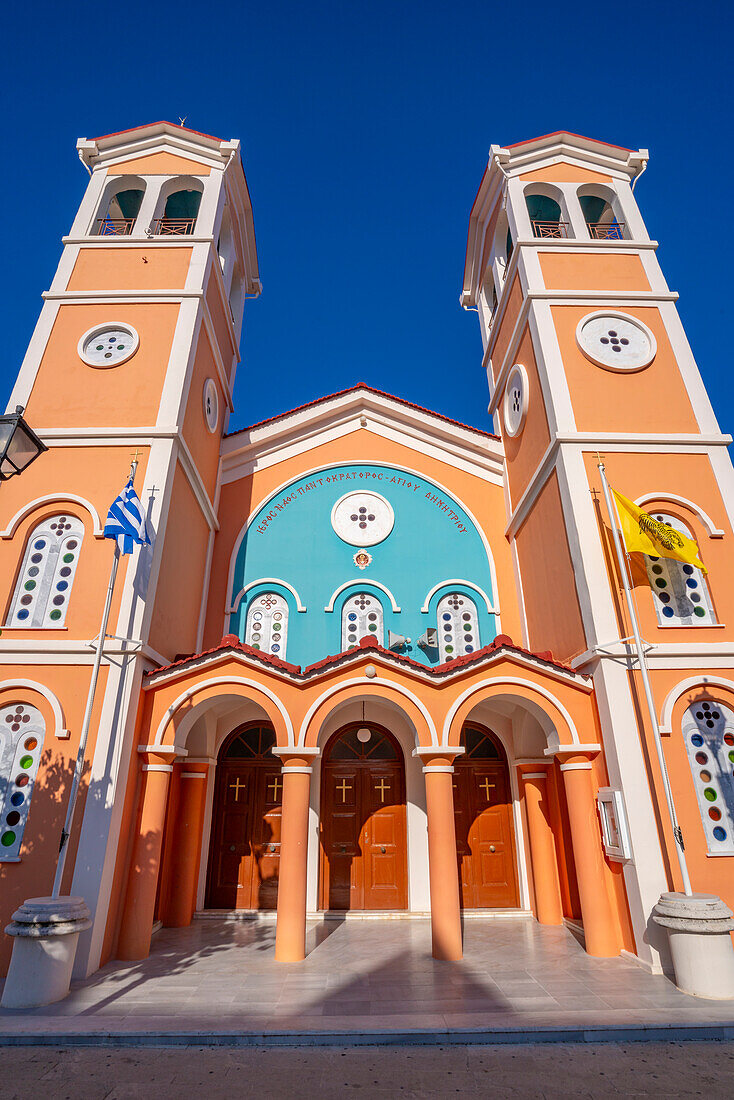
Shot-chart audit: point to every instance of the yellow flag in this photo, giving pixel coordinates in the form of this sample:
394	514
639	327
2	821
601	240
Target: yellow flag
646	535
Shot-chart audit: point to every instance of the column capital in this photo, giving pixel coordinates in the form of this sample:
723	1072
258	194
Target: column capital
296	759
155	760
437	758
568	753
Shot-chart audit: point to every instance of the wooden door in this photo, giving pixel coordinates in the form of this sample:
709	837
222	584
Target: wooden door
244	854
363	829
485	835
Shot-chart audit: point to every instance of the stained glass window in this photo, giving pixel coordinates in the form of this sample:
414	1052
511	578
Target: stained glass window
458	627
680	591
22	730
708	731
42	593
361	616
267	624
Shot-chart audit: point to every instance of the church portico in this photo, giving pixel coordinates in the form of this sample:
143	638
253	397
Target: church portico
366	784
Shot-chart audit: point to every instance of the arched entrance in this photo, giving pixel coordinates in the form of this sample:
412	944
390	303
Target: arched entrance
485	834
244	854
363	833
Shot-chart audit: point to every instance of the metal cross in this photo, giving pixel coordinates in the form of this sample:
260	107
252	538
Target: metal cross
485	786
455	602
237	787
343	789
276	784
362	601
382	787
268	601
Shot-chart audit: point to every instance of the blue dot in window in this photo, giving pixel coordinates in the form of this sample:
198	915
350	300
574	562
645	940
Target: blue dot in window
62	586
688	569
696	740
18	798
39	545
23	613
275	648
352	618
719	833
690	583
469	648
446	616
668	612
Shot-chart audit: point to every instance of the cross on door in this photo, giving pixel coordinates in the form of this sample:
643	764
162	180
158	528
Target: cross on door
485	786
382	787
237	786
276	785
343	789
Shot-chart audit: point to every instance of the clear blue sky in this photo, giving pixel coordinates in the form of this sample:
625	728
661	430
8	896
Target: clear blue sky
365	129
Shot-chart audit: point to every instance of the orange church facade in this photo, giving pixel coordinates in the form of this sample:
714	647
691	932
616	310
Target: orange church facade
374	660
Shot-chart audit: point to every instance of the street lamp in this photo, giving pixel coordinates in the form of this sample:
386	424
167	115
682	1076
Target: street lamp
19	444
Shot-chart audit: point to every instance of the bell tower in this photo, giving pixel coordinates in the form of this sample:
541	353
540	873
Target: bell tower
585	353
135	352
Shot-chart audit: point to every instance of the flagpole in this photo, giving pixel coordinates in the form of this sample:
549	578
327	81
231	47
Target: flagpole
86	723
614	520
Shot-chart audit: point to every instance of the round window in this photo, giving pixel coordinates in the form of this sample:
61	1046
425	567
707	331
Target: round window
211	404
616	341
362	519
108	345
516	400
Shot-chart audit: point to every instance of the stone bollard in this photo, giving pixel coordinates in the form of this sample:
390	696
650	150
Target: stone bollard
699	930
46	932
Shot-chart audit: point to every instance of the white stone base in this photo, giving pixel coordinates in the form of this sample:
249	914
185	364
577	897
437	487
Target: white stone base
46	933
699	932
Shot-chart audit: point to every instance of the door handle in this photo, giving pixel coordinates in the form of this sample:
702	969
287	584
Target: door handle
383	850
272	847
491	847
232	848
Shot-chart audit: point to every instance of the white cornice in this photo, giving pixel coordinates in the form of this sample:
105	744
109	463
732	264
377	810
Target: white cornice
304	429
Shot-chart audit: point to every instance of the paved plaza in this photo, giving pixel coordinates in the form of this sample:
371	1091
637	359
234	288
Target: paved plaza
218	978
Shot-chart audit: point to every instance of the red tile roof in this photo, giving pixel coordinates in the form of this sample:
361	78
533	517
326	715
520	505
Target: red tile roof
161	122
370	389
232	642
558	133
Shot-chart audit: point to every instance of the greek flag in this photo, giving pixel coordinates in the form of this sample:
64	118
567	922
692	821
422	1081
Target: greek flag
126	522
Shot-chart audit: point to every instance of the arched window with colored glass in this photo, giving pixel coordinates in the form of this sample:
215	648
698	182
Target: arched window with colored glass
43	589
680	591
22	730
708	731
458	626
267	624
362	616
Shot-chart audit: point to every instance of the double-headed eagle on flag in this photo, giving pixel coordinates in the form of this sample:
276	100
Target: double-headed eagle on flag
645	535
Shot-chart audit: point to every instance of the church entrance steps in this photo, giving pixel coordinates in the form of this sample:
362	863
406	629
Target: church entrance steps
269	916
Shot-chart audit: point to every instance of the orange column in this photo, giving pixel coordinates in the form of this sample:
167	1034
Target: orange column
542	849
187	845
600	926
442	862
290	930
142	883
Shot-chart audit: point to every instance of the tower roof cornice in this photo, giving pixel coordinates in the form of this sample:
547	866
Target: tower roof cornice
154	137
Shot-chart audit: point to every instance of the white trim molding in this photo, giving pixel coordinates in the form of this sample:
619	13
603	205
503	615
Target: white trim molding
240	681
513	681
385	687
673	498
232	610
51	498
362	583
60	731
493	609
701	681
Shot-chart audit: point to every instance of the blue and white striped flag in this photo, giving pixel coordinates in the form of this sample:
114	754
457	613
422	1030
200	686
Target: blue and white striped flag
126	522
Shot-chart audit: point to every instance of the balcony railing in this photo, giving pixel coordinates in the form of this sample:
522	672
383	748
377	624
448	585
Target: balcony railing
173	227
115	227
606	231
550	229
